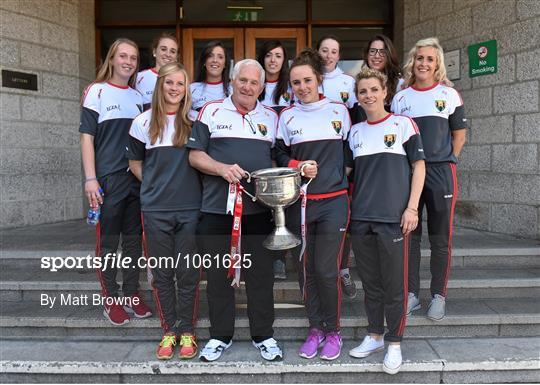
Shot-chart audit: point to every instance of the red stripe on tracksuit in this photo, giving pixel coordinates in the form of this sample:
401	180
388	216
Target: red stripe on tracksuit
305	257
162	320
406	245
101	280
453	168
339	257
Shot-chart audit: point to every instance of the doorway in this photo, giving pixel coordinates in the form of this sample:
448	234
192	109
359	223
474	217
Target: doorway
240	43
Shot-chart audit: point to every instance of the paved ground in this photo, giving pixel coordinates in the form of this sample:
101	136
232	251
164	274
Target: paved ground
426	361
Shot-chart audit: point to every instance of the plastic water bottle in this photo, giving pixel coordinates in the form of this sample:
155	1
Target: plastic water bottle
92	218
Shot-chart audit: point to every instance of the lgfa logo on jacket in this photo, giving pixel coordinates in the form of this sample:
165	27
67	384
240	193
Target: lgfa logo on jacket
344	96
337	125
440	105
262	129
389	140
286	96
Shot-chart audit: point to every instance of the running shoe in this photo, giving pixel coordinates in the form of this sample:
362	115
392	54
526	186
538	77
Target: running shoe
369	346
314	341
332	346
213	350
269	349
165	350
137	307
188	346
116	314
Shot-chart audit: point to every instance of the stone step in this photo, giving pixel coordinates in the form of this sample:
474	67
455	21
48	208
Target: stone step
465	318
29	285
433	360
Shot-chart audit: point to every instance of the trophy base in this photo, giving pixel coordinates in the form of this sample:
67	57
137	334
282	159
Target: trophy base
281	239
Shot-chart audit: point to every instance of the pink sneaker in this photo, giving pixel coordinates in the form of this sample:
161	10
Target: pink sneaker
314	341
332	346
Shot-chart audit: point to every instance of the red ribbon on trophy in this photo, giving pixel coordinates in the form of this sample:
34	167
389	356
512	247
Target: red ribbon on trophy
235	268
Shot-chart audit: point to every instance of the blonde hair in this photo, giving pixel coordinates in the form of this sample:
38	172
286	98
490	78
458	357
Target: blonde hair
158	121
105	71
368	73
440	70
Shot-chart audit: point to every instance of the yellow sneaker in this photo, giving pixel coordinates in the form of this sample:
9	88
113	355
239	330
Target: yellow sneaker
188	346
165	350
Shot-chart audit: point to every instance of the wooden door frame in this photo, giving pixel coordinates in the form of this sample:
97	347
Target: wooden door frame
251	34
191	34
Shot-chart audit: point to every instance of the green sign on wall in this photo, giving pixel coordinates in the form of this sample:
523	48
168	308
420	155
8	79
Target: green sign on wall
483	58
244	14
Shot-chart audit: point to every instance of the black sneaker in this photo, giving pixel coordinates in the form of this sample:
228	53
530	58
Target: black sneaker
348	286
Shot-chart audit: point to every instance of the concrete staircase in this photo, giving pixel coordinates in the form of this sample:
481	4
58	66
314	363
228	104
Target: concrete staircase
491	333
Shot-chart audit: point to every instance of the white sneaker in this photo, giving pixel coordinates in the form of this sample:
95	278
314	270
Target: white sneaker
213	349
437	308
369	346
269	349
392	359
413	303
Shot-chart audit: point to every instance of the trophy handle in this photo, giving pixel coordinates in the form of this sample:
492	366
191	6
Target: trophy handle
302	169
303	174
253	198
247	175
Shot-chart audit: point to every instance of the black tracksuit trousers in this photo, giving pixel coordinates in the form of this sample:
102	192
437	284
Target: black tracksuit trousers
170	247
318	272
120	215
381	253
439	196
214	239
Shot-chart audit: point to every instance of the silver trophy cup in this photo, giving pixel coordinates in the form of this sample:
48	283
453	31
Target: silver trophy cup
278	188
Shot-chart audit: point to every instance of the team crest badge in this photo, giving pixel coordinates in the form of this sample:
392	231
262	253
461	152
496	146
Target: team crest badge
286	96
337	125
440	105
389	140
344	96
262	129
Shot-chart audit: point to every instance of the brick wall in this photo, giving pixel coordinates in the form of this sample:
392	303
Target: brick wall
499	171
40	171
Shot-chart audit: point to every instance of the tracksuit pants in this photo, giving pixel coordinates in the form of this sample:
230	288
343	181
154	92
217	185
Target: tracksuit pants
381	253
439	196
170	247
214	239
318	271
120	215
347	246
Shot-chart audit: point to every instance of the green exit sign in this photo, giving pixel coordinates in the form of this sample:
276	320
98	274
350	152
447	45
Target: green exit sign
244	14
483	58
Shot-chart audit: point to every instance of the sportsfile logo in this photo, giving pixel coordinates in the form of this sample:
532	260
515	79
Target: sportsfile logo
117	261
